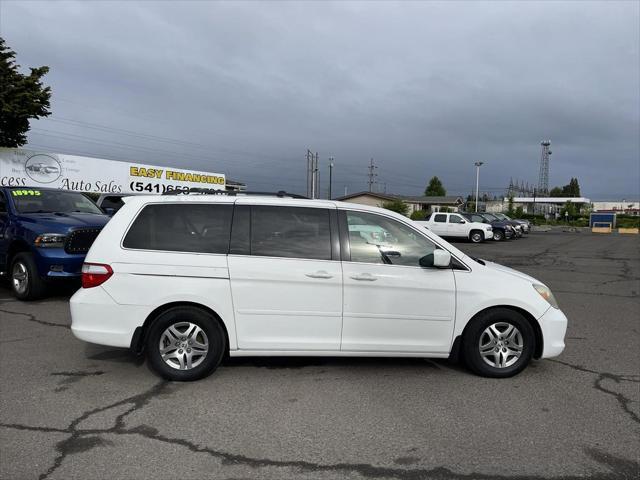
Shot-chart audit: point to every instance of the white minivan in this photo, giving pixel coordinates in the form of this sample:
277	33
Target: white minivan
189	279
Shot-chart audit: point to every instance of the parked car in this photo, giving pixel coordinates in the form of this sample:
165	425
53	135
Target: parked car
44	236
454	225
501	230
524	224
188	280
517	229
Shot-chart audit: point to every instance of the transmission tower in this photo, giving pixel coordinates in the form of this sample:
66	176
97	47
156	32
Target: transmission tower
372	175
543	177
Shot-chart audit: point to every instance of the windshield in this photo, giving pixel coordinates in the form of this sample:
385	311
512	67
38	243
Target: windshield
52	201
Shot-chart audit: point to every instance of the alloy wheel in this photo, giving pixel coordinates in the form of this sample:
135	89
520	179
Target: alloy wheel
183	346
501	345
20	278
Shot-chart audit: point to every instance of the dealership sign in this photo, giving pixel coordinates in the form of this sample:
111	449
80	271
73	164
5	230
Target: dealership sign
27	168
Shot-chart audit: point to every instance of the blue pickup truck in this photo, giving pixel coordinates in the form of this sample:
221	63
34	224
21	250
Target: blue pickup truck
44	236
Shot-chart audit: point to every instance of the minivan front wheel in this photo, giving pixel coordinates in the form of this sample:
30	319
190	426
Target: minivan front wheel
498	235
498	343
185	343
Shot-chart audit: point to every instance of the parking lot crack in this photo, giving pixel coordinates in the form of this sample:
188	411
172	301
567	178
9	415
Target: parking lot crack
32	318
624	401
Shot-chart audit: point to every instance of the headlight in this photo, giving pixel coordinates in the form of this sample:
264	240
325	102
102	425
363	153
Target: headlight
546	294
50	240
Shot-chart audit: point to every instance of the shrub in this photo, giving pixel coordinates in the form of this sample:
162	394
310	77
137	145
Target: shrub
418	215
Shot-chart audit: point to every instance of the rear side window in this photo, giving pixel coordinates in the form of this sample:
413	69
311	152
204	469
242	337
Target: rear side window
440	218
291	232
184	227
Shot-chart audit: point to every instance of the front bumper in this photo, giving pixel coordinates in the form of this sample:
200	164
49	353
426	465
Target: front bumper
554	327
488	234
56	263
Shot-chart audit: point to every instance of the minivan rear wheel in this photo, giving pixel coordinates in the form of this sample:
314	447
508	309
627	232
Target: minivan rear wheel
185	343
498	235
498	343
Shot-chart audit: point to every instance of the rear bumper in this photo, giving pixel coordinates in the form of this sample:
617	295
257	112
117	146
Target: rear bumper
554	327
96	318
488	234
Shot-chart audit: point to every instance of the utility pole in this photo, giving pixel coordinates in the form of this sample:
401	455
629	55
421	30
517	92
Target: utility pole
316	178
309	172
330	175
477	164
372	175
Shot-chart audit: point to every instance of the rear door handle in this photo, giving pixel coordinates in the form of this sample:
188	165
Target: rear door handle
364	277
319	274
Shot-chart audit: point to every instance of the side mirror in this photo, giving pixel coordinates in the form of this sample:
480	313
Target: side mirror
109	211
441	259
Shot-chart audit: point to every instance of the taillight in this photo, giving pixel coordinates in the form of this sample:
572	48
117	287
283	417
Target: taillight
94	274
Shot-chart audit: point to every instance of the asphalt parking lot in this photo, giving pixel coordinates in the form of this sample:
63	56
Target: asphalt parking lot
74	410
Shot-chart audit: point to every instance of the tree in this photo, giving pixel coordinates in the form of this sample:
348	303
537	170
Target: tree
510	207
396	205
22	97
572	189
556	192
435	188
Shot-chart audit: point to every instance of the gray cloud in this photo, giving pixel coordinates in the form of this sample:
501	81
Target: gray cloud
424	87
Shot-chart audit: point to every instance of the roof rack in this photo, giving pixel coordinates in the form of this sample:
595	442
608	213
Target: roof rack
231	193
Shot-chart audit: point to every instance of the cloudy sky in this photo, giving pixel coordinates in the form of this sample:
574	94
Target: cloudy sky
424	88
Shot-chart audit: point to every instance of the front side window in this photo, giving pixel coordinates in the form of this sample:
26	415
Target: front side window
440	218
455	219
377	239
292	232
186	227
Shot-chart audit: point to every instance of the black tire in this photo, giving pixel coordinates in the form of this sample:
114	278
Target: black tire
476	236
498	235
210	325
34	286
475	333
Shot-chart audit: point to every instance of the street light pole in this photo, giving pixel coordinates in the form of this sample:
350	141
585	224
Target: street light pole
330	175
477	164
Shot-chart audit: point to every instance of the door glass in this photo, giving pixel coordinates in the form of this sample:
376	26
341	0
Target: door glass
440	218
291	232
377	239
455	219
186	227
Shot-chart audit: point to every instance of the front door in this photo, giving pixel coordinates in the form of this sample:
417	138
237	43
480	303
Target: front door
391	302
456	226
286	278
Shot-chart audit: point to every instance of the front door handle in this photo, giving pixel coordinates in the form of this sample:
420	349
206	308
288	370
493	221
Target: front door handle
319	274
364	277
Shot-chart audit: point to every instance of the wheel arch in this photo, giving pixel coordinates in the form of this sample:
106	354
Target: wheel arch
140	335
537	330
15	247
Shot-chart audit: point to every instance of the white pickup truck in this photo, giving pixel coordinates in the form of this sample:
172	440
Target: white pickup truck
455	225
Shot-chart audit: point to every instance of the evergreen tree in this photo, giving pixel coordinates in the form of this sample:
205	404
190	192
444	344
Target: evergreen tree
435	188
22	97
